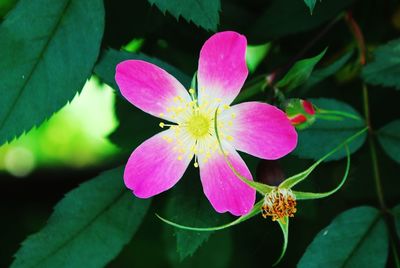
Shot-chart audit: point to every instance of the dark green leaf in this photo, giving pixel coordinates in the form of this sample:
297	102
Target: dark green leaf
285	17
389	138
310	4
324	135
203	13
216	253
105	69
47	51
396	212
323	73
300	72
356	238
88	228
188	205
384	70
5	6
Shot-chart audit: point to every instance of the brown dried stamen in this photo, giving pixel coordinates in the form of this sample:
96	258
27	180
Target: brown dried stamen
279	203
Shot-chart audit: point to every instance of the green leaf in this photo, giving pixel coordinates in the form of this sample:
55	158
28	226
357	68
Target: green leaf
324	135
389	138
396	212
105	68
216	253
255	55
356	238
310	4
88	228
5	6
204	13
384	70
323	73
300	72
47	51
187	204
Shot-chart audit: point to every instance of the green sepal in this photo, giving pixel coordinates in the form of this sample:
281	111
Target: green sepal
295	179
193	84
335	115
308	195
284	224
256	209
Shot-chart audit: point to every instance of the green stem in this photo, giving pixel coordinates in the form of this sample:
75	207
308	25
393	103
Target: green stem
372	148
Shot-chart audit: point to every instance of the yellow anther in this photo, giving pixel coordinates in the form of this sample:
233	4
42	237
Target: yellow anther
179	157
196	165
192	91
162	125
226	106
233	115
218	100
229	138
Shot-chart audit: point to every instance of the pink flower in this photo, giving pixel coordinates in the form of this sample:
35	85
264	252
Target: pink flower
255	128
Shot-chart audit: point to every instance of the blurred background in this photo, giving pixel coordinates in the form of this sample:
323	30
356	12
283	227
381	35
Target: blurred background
98	129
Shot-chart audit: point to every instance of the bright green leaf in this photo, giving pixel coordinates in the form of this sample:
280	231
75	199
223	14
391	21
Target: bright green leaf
324	135
134	45
204	13
255	55
88	228
356	238
389	138
47	51
300	72
384	70
310	4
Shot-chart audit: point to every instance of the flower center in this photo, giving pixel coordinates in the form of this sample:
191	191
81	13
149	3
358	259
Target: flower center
279	203
198	125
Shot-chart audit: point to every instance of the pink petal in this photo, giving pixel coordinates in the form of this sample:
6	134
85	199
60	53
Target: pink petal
150	88
222	67
223	189
259	129
154	167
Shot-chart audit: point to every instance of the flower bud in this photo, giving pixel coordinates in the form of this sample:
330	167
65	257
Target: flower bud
301	113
